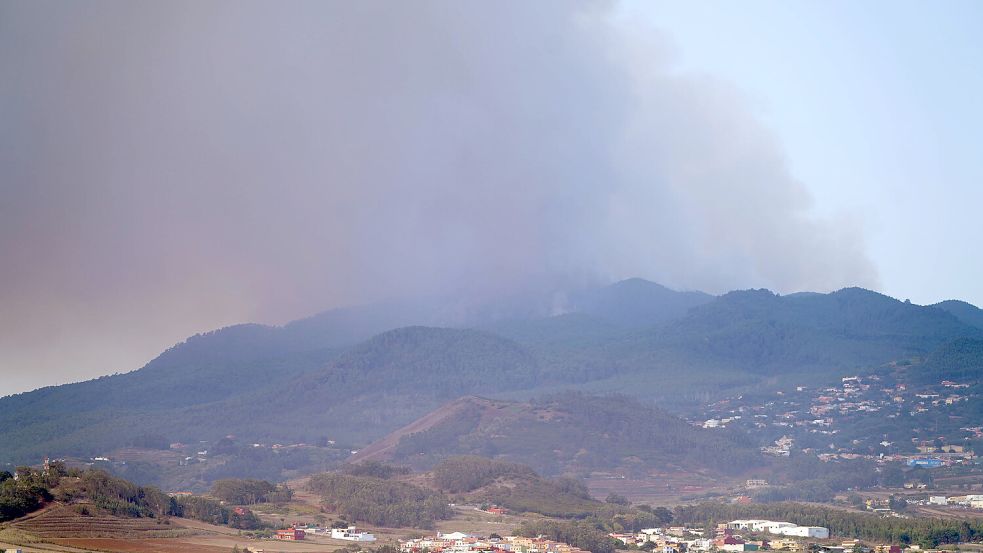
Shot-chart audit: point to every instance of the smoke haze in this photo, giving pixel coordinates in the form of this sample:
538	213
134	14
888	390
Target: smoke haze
168	168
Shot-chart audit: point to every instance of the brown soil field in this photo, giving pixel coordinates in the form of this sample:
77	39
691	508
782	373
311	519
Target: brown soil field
62	521
120	545
42	548
660	489
473	521
317	545
958	513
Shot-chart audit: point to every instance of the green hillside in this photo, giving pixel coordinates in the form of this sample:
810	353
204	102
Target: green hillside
764	333
960	360
965	312
573	432
311	380
356	396
636	303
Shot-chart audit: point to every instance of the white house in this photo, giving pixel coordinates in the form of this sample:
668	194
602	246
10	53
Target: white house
700	544
351	534
781	528
805	532
773	527
454	536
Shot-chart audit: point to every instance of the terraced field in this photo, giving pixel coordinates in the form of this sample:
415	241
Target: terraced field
140	546
64	521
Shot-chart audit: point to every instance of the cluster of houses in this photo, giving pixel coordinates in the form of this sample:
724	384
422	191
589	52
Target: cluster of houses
727	537
678	539
821	411
459	542
350	533
973	501
781	448
675	539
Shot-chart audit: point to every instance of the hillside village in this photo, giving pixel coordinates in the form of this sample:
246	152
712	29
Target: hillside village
300	532
735	536
461	542
878	417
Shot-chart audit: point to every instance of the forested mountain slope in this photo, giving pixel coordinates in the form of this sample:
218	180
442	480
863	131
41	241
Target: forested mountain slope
764	333
965	312
567	433
313	378
636	303
357	395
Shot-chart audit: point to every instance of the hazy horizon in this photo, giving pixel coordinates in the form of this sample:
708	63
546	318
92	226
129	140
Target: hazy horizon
171	168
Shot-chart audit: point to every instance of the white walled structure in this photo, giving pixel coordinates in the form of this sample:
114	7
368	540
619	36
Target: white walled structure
351	534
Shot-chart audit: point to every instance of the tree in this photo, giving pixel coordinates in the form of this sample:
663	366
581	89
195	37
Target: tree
225	446
616	499
244	492
897	504
663	516
892	477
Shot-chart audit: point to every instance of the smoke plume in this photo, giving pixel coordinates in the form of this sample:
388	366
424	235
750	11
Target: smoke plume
169	167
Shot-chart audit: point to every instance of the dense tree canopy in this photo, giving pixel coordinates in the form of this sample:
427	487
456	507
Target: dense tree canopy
243	492
378	501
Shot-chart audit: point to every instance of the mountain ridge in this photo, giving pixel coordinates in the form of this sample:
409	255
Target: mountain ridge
964	311
310	382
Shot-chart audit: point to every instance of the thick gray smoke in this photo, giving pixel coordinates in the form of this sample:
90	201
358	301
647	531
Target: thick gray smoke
170	167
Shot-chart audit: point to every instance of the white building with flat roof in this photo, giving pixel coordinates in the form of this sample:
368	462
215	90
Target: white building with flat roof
779	527
817	532
351	534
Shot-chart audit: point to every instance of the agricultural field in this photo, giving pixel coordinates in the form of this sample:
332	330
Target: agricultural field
661	489
62	529
64	521
81	528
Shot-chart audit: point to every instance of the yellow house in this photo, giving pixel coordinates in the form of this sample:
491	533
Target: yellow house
786	545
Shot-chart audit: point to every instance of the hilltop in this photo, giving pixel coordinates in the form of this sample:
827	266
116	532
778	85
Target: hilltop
965	312
765	333
564	433
390	495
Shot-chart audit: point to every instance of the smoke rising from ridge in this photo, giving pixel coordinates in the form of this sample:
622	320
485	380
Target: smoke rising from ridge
172	167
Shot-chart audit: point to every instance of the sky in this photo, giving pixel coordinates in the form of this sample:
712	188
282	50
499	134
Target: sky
170	168
876	106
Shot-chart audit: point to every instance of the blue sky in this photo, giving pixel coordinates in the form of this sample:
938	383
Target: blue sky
878	108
